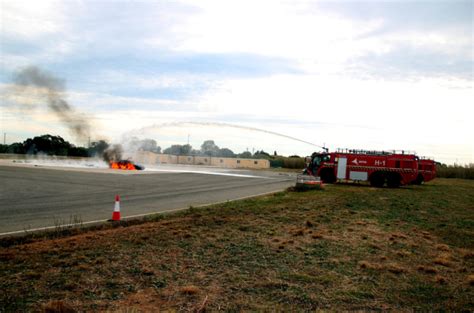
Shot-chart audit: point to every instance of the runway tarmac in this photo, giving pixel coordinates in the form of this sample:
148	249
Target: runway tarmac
34	197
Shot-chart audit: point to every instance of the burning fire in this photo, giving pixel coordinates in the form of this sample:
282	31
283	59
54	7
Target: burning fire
123	165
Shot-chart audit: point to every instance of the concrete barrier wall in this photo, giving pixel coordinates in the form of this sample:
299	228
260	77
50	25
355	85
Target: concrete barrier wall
240	163
146	157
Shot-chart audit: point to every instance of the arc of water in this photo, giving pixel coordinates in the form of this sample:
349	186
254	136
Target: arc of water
170	124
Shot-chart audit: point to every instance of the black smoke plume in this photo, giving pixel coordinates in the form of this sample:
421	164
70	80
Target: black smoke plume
113	153
52	90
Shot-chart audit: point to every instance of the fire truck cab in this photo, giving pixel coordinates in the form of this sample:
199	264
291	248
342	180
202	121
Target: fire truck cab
377	167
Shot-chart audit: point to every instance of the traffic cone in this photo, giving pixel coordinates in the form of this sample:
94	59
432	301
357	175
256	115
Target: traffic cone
116	214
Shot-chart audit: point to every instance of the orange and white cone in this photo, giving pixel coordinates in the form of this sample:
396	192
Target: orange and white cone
116	214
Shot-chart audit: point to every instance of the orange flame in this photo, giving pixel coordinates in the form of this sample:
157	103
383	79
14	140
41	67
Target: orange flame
122	165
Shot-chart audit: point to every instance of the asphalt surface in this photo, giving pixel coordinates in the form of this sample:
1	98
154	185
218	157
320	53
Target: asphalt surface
32	197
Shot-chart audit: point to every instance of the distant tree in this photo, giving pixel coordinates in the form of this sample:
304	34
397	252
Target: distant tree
135	144
16	148
178	150
245	155
186	149
294	162
148	145
208	147
225	153
261	152
52	145
171	149
261	155
78	151
455	171
276	162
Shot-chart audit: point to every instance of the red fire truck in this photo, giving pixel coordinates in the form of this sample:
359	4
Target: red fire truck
426	171
377	167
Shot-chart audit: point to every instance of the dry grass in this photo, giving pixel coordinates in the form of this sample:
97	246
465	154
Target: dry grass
57	306
427	269
370	266
189	290
470	280
444	260
317	236
396	268
347	248
442	247
440	280
467	254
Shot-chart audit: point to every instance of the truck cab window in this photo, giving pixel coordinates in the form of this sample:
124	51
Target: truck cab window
317	161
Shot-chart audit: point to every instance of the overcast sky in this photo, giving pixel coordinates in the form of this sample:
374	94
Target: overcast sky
347	74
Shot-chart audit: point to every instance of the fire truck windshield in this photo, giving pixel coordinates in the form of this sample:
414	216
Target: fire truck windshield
320	158
316	160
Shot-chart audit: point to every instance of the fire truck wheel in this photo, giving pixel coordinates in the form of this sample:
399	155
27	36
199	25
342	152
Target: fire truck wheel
393	180
419	180
377	179
327	176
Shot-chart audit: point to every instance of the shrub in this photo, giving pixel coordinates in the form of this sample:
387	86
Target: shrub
285	162
455	171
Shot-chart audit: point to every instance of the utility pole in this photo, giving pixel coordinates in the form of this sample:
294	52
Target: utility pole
4	138
188	139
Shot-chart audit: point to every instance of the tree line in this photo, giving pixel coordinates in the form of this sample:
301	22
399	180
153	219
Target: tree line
56	145
455	171
50	145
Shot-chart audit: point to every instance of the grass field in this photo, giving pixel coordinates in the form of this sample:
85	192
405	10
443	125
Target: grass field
346	247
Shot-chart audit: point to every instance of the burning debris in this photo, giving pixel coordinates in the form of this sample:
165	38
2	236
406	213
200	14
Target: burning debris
113	157
125	165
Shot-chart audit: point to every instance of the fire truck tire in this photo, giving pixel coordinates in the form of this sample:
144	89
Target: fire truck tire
377	179
393	180
327	176
419	180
